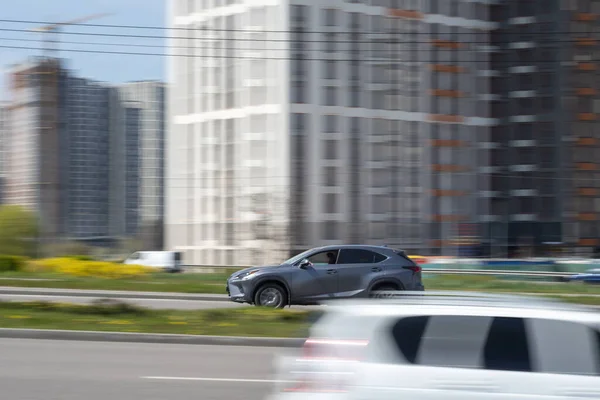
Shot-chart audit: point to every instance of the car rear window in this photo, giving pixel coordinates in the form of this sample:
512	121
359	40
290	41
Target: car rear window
403	255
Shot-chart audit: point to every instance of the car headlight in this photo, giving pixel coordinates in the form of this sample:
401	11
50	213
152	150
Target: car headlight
248	275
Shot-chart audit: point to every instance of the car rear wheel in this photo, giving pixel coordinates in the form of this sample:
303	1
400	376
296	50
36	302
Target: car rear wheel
379	292
270	295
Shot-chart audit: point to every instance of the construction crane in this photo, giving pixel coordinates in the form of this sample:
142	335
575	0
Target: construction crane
51	39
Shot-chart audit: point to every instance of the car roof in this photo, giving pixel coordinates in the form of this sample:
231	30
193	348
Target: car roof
466	304
356	246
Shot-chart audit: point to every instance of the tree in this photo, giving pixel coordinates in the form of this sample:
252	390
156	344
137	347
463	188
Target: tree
18	231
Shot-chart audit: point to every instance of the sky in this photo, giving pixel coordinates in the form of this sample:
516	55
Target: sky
104	67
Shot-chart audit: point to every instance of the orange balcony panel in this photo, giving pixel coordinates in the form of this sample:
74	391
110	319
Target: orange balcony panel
587	192
587	217
446	93
447	44
446	118
586	166
585	17
454	69
447	168
587	117
447	193
587	141
588	242
585	42
406	14
447	143
586	66
586	92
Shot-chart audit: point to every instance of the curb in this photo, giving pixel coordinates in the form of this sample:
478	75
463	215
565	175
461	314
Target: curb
111	294
127	337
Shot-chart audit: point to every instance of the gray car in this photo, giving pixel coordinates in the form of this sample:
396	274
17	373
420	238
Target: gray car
325	273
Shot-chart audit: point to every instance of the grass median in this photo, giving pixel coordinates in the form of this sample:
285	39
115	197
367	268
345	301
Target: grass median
111	316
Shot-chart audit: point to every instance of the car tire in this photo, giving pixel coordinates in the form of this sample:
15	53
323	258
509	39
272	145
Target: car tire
380	292
270	295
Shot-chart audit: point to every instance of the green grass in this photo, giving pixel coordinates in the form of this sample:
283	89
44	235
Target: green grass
493	284
122	317
159	282
214	283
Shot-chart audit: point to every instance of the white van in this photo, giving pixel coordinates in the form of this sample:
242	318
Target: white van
169	261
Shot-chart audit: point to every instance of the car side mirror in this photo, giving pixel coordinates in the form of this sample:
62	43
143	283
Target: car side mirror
304	264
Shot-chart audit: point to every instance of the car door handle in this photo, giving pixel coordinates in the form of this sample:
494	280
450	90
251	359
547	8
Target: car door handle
332	271
376	269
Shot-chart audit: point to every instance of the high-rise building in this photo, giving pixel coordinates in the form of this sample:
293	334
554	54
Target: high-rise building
324	122
85	135
444	127
4	123
33	146
77	151
145	187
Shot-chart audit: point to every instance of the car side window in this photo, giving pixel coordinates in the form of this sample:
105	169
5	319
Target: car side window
359	256
507	346
564	347
324	258
458	341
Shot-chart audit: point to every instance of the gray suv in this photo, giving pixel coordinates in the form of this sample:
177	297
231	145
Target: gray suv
325	273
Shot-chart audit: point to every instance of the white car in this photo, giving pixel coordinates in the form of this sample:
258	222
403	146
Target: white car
442	346
169	261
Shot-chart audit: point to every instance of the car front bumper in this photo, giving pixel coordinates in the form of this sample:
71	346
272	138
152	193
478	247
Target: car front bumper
239	291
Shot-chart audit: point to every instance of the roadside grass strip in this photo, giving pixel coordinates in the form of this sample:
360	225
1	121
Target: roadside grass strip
114	316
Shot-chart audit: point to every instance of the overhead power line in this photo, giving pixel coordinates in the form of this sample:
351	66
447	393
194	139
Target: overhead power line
206	28
295	56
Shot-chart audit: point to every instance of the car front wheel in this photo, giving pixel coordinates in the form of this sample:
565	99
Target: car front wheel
270	295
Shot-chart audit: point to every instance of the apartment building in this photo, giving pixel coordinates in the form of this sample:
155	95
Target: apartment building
146	159
4	121
84	155
33	147
320	126
445	127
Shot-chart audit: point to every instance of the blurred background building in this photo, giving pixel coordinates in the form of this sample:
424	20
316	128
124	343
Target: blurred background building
442	127
74	150
3	132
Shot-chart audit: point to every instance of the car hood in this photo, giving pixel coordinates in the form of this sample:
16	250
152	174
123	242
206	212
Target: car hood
245	270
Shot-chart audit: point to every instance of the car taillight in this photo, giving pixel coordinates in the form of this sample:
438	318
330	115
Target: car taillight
326	366
414	268
331	349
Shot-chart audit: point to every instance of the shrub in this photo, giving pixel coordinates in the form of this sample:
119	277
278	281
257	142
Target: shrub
99	269
11	263
81	257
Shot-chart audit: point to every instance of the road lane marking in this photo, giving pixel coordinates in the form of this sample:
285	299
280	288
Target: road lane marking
183	378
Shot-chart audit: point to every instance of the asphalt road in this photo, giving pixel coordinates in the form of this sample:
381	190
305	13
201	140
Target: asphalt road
63	370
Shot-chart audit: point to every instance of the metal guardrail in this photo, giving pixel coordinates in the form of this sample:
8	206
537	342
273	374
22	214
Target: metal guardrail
437	271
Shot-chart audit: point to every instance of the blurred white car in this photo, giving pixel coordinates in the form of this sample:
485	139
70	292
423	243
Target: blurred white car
445	346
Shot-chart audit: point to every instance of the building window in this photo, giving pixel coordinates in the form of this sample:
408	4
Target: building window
329	69
330	149
330	96
330	176
330	203
298	92
330	123
330	17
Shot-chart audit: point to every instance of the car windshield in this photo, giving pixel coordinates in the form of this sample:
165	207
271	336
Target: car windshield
298	257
